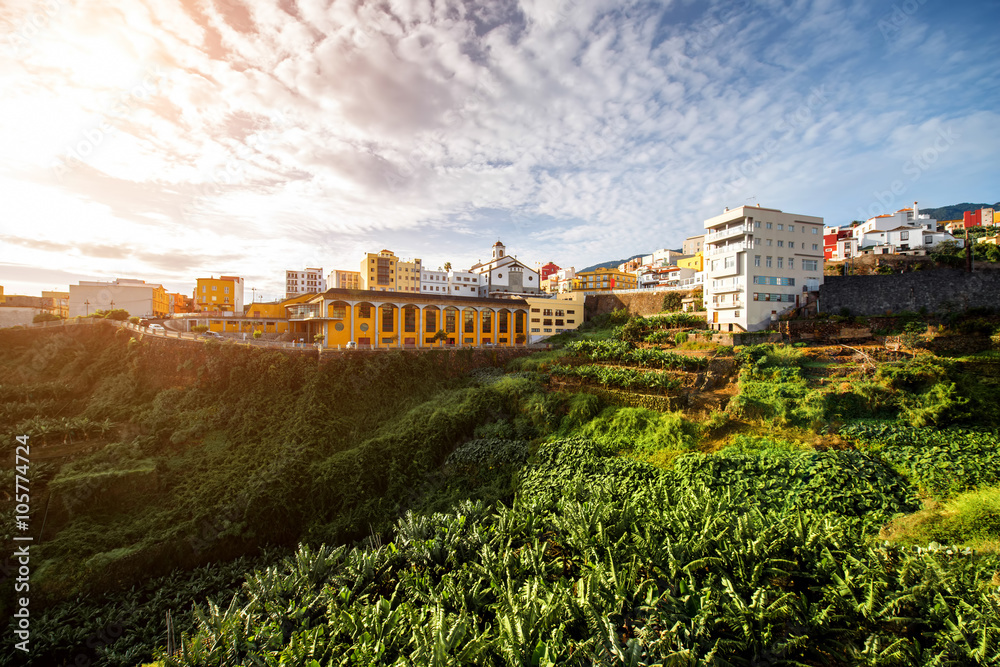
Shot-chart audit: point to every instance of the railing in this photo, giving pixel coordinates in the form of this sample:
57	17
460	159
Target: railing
732	247
739	230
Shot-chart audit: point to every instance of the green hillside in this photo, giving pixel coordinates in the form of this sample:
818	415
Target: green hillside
590	504
955	211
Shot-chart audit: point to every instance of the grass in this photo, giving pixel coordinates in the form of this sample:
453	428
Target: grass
969	519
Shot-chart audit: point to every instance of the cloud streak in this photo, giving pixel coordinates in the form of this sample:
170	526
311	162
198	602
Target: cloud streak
279	134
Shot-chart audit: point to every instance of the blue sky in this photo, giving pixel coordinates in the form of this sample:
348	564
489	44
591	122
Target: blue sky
175	140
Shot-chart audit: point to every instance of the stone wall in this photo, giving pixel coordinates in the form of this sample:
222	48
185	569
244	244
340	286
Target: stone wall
637	303
940	292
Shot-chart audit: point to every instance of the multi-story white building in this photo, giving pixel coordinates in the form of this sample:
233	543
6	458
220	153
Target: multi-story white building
505	276
306	281
759	263
456	283
136	296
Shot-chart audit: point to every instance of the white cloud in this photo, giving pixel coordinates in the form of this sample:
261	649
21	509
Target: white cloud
578	130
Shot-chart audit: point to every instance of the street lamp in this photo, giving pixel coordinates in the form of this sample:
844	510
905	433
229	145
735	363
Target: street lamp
87	304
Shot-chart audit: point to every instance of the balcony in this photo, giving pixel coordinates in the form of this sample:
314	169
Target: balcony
714	251
733	285
728	304
304	312
729	232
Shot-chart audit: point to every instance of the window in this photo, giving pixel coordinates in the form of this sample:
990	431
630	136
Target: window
904	236
803	229
559	313
387	319
487	323
756	242
226	290
767	262
809	264
730	262
814	231
536	330
770	242
215	288
547	312
781	244
756	260
791	262
449	321
757	224
791	244
781	227
815	246
769	225
469	321
364	311
781	262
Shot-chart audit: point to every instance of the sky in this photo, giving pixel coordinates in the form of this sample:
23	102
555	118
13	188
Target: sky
169	140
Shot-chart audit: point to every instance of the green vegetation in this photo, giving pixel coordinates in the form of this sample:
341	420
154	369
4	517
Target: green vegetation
624	378
628	353
450	508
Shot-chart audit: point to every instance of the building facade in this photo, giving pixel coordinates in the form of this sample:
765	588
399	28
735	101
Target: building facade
339	279
138	297
408	275
504	275
694	244
759	263
604	280
550	316
401	319
223	294
60	302
456	283
306	281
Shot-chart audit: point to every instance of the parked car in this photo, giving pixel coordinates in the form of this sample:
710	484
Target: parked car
212	335
351	345
158	328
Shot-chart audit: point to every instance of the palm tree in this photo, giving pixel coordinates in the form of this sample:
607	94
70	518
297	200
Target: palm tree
447	266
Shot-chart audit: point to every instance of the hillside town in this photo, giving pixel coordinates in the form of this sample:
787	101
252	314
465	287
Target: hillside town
751	266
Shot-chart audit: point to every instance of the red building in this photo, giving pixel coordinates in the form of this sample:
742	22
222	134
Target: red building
547	271
830	237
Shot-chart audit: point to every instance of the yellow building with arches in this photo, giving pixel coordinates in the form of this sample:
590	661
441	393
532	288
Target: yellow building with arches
363	319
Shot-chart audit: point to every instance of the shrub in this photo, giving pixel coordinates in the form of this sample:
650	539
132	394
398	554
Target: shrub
200	328
45	316
672	301
640	431
680	338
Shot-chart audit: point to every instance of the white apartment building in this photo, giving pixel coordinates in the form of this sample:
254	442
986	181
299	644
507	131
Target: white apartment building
306	281
455	283
759	263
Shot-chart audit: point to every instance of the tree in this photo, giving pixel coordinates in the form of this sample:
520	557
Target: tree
440	335
134	319
672	301
519	339
447	266
45	316
200	328
257	334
